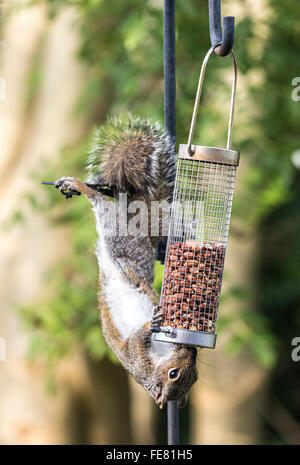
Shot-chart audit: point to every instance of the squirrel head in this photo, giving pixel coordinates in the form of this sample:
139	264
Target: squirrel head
174	376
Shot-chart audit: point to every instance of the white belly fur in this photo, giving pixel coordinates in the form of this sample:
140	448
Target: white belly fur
130	309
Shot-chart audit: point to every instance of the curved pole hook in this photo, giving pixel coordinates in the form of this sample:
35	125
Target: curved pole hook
227	39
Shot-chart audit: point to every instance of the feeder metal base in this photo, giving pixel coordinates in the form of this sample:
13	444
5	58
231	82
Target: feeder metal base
187	337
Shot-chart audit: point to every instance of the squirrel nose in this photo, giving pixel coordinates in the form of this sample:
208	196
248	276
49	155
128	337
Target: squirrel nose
160	401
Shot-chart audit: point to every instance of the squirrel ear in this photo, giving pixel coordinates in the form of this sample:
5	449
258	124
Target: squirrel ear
183	401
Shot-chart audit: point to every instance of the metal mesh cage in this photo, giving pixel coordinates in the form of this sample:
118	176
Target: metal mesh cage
198	234
196	247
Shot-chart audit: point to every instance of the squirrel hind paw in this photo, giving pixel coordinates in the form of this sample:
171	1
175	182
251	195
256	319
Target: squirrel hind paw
65	183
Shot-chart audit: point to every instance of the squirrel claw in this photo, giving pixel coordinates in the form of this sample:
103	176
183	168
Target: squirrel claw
156	318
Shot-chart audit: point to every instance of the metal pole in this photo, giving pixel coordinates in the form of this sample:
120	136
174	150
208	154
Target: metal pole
173	423
170	125
169	68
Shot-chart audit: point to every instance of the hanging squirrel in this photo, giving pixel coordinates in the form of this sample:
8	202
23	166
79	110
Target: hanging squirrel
135	157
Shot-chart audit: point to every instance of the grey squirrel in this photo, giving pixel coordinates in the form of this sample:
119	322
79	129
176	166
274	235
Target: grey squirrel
135	157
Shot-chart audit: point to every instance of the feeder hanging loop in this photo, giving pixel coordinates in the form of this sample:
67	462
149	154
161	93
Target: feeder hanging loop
198	96
223	43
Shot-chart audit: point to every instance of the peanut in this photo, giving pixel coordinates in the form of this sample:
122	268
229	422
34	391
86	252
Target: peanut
192	284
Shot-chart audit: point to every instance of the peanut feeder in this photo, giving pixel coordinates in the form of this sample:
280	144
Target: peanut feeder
198	232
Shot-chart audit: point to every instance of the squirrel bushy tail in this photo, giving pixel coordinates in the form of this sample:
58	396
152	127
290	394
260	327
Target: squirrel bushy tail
133	155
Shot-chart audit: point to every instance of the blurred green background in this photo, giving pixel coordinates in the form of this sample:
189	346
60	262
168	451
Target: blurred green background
248	392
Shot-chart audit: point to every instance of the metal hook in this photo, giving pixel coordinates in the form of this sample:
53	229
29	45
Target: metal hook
198	95
226	41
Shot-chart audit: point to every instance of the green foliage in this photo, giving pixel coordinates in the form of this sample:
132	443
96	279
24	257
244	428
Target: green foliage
270	176
250	331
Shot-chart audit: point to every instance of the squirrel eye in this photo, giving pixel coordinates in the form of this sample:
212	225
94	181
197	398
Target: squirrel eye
173	374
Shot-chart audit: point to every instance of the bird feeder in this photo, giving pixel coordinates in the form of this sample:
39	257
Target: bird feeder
198	233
